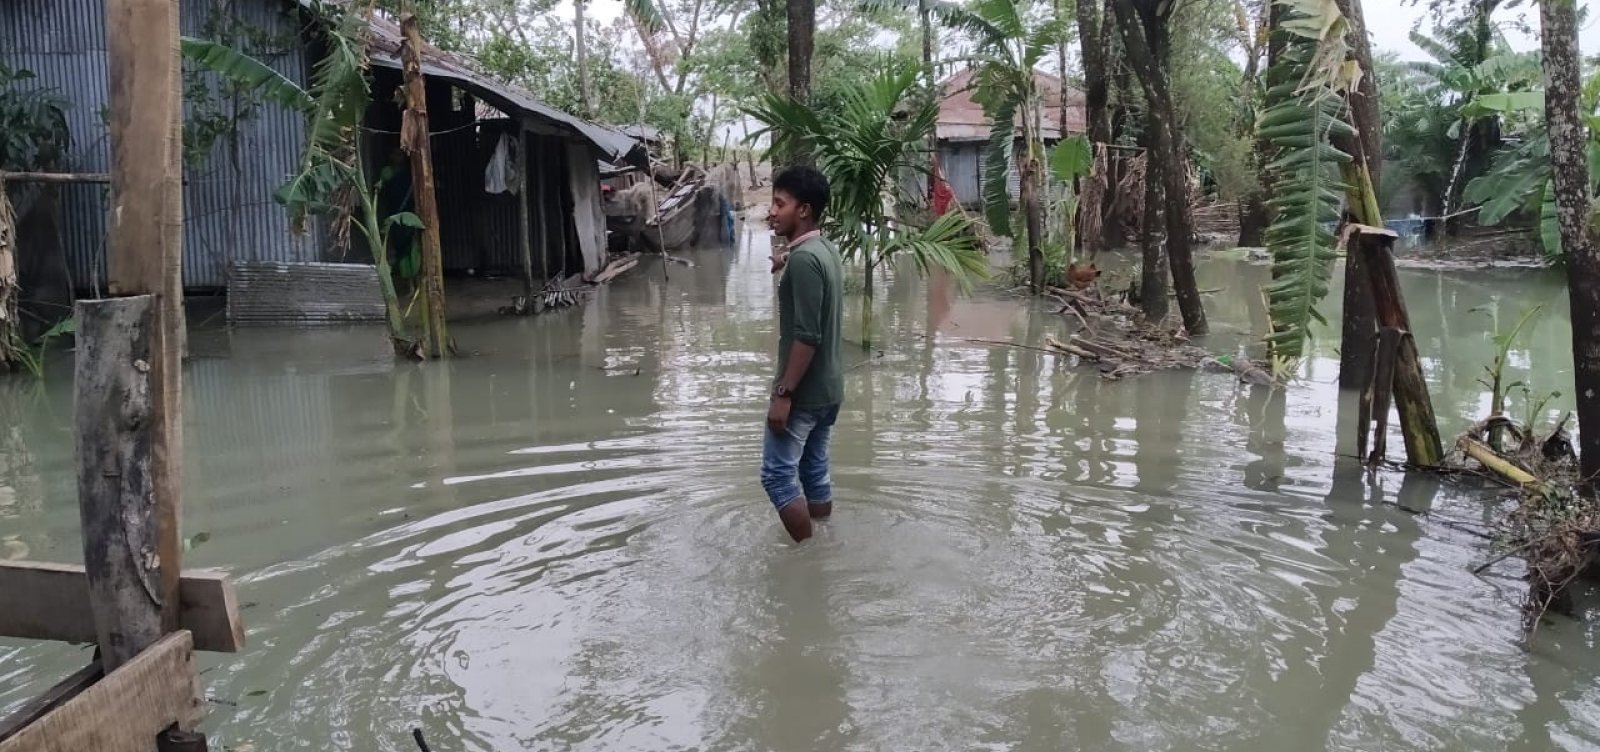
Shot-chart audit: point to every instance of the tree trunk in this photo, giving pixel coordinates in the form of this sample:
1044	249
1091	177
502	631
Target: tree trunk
1570	175
1113	222
1145	40
414	139
1360	319
1092	42
1033	212
1254	218
581	43
802	23
1153	270
925	18
802	32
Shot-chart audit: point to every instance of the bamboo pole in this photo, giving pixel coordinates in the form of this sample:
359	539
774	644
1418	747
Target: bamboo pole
55	177
1499	465
144	254
414	139
525	214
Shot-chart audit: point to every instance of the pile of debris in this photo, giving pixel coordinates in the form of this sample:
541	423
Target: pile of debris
1551	525
563	292
1114	337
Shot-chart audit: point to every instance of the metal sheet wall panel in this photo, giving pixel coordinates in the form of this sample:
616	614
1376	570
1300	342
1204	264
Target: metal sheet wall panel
63	42
961	163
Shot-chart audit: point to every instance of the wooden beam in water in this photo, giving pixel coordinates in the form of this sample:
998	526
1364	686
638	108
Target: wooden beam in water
51	602
1382	390
1417	420
125	711
116	427
144	256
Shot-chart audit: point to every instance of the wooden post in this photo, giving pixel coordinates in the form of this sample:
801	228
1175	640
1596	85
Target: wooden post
536	174
414	138
116	426
525	223
144	254
1381	390
1417	421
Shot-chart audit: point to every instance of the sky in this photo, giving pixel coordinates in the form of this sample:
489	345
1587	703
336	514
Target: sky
1390	22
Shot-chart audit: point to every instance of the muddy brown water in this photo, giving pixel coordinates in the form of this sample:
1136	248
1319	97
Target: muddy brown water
561	544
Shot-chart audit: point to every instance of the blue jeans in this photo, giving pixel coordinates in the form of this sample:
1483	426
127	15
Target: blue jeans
794	463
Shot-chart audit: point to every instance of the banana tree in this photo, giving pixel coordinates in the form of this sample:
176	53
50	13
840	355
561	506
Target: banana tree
1306	108
1519	179
1462	70
862	146
1009	48
331	181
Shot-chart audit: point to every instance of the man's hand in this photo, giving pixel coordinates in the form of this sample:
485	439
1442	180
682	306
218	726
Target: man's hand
778	414
778	260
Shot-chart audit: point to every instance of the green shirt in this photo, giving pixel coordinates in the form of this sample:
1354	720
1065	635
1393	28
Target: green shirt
811	310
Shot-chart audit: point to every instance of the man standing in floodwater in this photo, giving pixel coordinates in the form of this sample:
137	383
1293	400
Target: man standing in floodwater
810	379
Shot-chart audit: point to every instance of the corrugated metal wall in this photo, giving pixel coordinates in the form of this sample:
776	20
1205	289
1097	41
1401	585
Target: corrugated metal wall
962	165
63	42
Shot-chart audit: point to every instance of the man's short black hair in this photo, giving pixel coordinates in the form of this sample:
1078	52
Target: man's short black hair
807	185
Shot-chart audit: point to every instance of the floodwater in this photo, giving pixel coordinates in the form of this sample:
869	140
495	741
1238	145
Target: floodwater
561	544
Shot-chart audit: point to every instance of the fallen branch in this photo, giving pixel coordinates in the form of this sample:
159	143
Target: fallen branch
1481	568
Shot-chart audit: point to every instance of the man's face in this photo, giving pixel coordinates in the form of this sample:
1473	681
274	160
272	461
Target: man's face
785	213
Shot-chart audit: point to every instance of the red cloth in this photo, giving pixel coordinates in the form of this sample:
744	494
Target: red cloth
941	193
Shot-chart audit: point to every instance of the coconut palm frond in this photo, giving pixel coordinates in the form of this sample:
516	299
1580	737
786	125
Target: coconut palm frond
949	244
997	166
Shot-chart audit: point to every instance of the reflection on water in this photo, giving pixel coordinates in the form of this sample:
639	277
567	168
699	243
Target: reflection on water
561	544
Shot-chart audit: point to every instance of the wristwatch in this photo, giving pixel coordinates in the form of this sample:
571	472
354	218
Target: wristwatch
782	392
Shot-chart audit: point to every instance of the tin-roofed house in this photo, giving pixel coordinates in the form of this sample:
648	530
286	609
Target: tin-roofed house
511	175
963	129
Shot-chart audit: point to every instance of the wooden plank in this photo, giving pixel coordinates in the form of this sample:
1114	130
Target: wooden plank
37	707
116	427
40	601
144	253
125	711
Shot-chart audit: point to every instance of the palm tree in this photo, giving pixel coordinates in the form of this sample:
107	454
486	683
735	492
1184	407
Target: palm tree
1009	49
863	146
